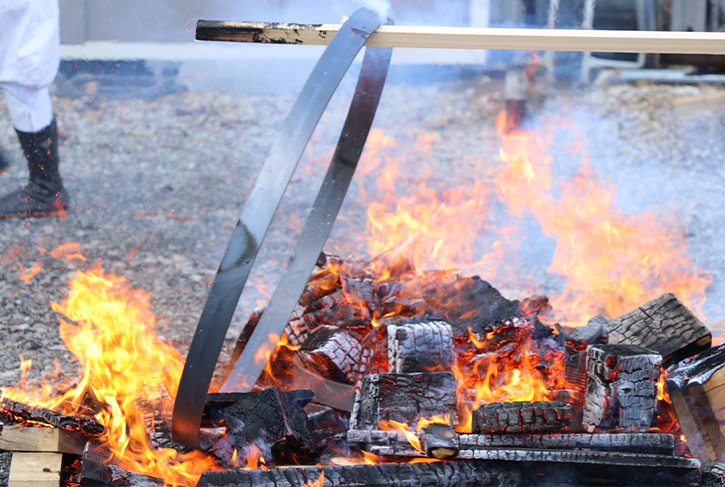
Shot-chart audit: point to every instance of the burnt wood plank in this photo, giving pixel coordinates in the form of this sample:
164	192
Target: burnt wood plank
405	398
658	443
333	352
20	412
696	387
664	325
522	417
420	347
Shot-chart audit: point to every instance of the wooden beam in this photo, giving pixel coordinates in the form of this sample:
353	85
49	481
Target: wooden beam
36	439
35	470
471	37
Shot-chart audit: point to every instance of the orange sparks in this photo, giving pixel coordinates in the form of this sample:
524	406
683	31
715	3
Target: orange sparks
70	251
27	275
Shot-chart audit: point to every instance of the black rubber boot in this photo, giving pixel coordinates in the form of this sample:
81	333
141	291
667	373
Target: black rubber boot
44	195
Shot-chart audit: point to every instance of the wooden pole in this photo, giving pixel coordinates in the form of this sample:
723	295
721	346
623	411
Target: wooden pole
472	38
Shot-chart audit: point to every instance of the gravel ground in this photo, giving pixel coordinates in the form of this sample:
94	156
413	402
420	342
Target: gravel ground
157	185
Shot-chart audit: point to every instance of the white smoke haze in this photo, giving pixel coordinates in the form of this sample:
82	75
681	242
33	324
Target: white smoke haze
382	7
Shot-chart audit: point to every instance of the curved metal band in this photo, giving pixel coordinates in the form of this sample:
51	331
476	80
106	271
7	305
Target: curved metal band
255	219
319	222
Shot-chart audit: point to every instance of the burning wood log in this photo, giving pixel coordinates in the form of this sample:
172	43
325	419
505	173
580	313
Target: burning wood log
522	417
695	387
420	347
664	325
405	398
18	411
96	459
35	470
656	443
439	441
333	352
438	474
272	418
38	439
621	388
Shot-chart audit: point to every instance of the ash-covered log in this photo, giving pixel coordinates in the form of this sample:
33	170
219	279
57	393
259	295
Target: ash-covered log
18	411
333	352
522	417
656	443
621	388
664	325
404	397
577	341
437	474
420	347
439	441
269	417
696	388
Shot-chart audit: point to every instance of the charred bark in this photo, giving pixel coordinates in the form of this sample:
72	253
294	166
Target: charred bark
420	347
96	459
333	353
438	474
405	398
696	389
269	417
522	417
20	412
663	325
621	388
439	441
655	443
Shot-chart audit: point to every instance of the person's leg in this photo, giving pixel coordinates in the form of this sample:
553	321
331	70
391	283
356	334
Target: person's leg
32	114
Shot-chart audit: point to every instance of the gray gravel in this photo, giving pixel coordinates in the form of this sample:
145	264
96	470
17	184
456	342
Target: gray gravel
157	185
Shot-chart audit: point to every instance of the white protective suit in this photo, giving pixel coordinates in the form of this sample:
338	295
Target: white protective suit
29	59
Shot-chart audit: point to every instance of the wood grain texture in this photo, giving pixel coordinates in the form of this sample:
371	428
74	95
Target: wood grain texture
35	439
35	470
471	37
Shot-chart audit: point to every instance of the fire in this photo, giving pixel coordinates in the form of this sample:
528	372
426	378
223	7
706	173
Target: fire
124	363
612	261
319	482
390	425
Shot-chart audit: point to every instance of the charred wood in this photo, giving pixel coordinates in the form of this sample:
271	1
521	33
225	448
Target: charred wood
124	478
437	474
20	412
321	284
337	314
522	417
333	353
96	461
405	398
595	331
296	329
439	441
222	400
664	325
269	417
621	388
420	347
656	443
326	425
551	456
695	387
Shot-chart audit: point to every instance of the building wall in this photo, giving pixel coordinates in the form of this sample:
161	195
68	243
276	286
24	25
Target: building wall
174	20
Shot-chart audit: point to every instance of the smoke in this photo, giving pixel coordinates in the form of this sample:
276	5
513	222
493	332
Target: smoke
382	7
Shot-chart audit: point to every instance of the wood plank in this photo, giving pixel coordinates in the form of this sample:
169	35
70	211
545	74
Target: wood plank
471	37
35	439
35	470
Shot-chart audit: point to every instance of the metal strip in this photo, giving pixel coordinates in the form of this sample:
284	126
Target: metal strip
319	222
254	221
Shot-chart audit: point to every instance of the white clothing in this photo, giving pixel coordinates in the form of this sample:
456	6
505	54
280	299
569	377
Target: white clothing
29	59
30	109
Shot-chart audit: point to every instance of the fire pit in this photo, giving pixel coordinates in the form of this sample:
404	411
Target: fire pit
380	373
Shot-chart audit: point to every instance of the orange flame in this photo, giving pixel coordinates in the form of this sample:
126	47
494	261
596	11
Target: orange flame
123	362
613	262
390	425
319	482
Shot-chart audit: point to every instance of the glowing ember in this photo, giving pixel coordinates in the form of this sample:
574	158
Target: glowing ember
123	361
